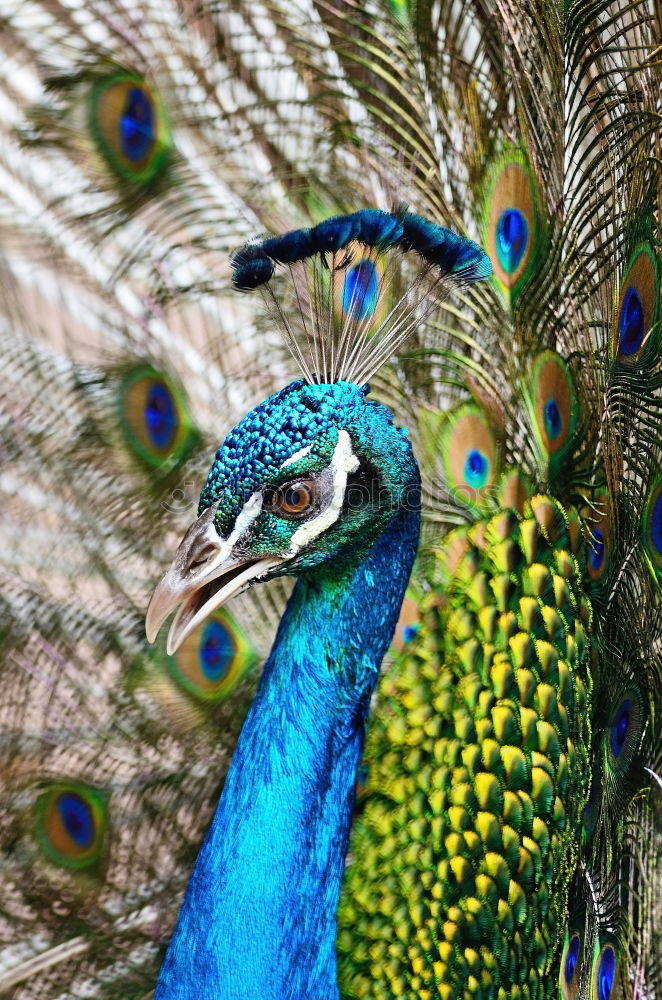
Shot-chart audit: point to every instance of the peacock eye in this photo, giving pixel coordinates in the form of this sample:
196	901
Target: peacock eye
293	499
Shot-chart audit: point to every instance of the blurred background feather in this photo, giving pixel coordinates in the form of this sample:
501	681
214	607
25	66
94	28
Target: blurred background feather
140	145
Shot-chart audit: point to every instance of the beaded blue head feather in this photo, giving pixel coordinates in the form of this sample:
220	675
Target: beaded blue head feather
362	284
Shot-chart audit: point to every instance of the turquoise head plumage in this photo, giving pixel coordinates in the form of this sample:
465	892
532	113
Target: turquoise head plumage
312	475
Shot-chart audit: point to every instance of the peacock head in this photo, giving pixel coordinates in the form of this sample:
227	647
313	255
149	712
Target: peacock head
307	479
314	474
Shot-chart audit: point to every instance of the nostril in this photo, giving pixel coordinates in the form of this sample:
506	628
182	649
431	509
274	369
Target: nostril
201	558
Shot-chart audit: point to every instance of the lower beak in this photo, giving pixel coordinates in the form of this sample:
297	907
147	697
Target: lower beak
204	574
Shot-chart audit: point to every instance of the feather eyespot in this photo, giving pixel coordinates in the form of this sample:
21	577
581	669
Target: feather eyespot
625	730
476	469
293	500
212	660
470	457
555	404
605	972
571	966
636	321
71	821
155	418
513	232
130	128
552	419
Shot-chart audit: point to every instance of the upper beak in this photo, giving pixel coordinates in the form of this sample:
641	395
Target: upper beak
204	574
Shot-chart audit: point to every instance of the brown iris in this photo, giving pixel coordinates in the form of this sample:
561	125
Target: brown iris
293	499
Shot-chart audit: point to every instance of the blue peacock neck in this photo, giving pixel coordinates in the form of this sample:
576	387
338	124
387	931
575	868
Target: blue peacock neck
259	917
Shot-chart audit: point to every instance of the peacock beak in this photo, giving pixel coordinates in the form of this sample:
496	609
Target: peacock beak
206	571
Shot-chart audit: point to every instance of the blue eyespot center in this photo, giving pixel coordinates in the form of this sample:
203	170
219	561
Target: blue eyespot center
161	415
571	958
136	125
619	727
656	524
361	290
216	651
476	468
410	632
553	421
512	234
361	778
631	323
606	972
597	549
76	817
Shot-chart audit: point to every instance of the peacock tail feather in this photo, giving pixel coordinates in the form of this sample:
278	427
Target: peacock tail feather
506	836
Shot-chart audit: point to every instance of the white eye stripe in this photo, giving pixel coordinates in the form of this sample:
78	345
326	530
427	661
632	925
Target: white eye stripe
343	463
297	455
248	513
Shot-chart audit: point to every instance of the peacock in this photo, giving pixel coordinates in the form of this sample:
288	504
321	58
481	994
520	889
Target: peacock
442	418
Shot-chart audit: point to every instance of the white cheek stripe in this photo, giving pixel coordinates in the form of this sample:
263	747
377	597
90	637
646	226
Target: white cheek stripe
343	463
297	455
245	518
